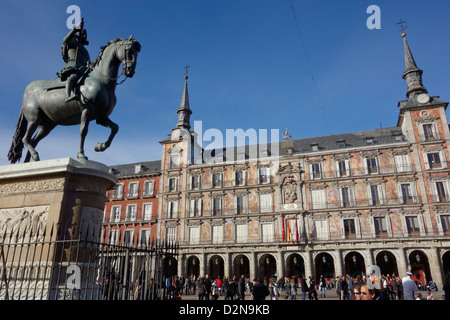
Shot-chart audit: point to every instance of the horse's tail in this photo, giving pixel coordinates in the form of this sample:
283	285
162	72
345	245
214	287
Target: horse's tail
15	152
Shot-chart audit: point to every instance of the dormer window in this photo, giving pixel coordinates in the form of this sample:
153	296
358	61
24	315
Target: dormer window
369	141
398	138
314	147
341	144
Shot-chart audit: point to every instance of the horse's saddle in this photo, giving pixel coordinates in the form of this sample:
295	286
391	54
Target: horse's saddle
56	83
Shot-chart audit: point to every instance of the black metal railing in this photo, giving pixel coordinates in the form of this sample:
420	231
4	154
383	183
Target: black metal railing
72	263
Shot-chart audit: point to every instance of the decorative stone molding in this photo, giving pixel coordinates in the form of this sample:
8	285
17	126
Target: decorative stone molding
32	186
405	180
374	182
317	187
379	213
400	152
370	154
410	212
321	217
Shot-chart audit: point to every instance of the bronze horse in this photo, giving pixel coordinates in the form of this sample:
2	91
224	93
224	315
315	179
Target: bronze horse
44	105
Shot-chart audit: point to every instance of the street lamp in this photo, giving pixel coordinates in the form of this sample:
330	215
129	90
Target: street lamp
267	260
417	257
324	259
386	258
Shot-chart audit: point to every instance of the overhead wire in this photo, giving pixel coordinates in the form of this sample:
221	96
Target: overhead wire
309	67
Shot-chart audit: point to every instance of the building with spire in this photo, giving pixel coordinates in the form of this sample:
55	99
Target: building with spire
330	205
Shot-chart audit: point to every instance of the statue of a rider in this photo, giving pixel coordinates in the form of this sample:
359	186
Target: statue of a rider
76	58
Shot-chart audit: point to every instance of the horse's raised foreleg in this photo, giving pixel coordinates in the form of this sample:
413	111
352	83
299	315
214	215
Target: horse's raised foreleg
41	134
84	124
106	122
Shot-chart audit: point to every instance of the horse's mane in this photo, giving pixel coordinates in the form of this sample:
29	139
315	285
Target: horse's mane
135	44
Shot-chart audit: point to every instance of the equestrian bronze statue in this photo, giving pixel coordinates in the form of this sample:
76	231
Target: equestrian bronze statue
89	97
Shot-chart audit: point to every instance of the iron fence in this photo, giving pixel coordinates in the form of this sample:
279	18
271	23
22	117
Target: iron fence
70	263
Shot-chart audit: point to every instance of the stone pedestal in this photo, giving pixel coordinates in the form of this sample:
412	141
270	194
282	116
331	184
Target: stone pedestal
51	205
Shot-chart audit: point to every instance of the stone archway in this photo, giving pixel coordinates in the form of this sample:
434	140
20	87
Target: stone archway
193	266
387	262
446	265
419	263
241	266
170	267
354	264
216	267
295	265
324	265
267	267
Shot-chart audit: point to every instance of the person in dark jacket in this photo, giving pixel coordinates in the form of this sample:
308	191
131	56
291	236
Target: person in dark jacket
304	286
208	284
259	290
241	287
232	291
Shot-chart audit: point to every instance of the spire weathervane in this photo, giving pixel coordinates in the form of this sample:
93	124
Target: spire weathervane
402	27
186	68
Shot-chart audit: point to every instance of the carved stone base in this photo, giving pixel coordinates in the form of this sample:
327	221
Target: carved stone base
64	193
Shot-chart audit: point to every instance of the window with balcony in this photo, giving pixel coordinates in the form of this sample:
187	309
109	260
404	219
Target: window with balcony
133	190
402	163
345	197
171	233
407	195
239	178
195	207
113	237
149	188
320	229
445	222
144	237
376	194
174	161
173	185
118	191
194	235
412	225
380	226
264	175
239	204
267	232
195	181
241	233
147	211
217	206
316	170
172	209
318	199
349	228
372	166
441	193
128	238
217	179
434	160
217	233
429	132
115	213
131	212
266	202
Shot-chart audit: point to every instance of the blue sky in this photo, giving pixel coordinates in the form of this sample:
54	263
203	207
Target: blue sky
248	66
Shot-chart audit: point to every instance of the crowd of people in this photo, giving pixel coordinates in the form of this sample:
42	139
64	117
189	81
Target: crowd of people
387	287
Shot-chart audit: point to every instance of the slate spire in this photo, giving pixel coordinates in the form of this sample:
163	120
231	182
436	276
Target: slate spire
184	112
412	74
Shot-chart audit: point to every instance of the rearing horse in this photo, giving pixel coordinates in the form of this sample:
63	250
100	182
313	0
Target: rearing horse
44	105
